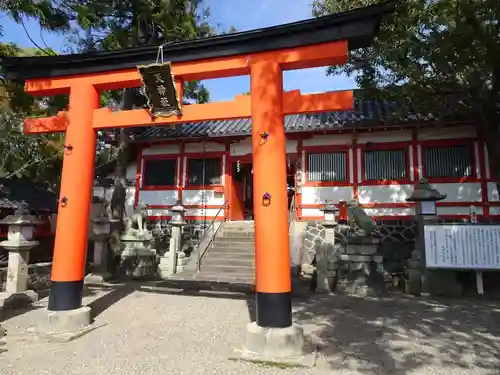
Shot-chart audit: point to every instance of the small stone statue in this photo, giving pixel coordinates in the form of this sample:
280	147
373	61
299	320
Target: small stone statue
358	217
138	221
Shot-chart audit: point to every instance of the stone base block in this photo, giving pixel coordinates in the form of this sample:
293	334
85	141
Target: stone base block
361	249
282	346
97	278
361	278
63	326
65	321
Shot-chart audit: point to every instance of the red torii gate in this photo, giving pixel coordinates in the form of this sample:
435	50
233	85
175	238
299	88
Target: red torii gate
264	54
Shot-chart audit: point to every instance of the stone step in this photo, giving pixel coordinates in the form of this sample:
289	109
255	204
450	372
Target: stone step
240	246
237	229
239	239
210	275
228	254
240	223
222	268
235	234
227	262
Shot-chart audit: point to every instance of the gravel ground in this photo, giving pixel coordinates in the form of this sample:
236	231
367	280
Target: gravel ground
153	330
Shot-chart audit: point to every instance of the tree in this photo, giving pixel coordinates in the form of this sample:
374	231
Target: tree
430	49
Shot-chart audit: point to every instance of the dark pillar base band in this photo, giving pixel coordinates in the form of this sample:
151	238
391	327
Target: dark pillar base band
274	310
65	295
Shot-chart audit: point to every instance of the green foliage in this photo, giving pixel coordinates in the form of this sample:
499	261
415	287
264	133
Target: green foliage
111	25
428	49
91	25
38	158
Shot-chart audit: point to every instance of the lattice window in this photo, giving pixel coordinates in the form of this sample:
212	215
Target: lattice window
159	172
209	168
327	166
385	164
449	162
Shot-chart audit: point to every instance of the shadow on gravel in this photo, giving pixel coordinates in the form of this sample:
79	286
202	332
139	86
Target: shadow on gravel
399	335
186	288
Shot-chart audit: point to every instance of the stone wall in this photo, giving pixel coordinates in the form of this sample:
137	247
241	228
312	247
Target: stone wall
396	243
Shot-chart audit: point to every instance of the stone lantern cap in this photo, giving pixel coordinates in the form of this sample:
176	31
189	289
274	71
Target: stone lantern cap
424	192
330	207
21	217
178	208
178	212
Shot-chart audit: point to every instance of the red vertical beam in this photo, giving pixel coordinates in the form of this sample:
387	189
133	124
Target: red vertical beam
272	254
70	249
484	180
227	179
138	176
298	195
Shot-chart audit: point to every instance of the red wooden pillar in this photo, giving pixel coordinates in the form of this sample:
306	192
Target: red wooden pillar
70	249
272	254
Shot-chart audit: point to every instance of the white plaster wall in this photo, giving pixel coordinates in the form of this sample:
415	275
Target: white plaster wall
318	195
209	212
130	173
193	197
159	212
330	139
458	210
493	192
244	147
384	193
494	210
96	208
465	192
446	133
197	147
312	212
161	149
386	136
393	211
315	212
158	197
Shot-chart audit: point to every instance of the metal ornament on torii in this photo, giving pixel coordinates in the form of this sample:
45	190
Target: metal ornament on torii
312	43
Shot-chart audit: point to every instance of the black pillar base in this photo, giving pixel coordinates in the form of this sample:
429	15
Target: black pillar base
65	295
274	310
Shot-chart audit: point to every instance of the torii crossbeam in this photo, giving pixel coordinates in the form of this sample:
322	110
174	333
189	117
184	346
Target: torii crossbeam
264	55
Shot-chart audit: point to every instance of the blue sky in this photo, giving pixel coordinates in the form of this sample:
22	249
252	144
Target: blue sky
242	14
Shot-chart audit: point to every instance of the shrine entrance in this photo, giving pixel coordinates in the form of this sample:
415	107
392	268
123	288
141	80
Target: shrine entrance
241	200
263	55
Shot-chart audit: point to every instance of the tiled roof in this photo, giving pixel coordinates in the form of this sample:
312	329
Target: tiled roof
366	113
35	197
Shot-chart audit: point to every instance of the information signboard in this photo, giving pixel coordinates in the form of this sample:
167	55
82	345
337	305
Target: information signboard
470	246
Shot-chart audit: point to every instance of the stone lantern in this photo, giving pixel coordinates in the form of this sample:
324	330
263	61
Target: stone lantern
170	261
21	229
425	198
323	273
330	212
101	233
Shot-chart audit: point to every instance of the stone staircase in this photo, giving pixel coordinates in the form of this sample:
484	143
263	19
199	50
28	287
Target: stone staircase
229	263
233	256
